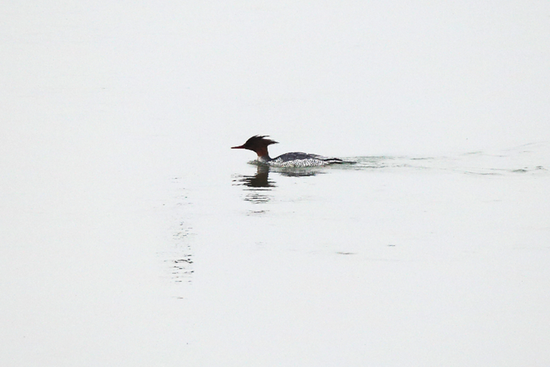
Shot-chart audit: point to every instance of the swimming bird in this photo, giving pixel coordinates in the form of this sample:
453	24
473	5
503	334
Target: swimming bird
259	144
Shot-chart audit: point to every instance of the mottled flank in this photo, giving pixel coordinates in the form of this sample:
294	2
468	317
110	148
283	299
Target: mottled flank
298	159
298	163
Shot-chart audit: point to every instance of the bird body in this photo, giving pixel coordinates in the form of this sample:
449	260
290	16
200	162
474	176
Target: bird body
259	144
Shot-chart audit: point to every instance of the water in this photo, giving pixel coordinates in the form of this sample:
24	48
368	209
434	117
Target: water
435	260
132	235
372	263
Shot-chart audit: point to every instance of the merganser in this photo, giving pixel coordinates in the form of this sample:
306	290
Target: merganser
259	144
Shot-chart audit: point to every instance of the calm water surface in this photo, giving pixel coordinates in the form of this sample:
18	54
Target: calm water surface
377	262
131	235
392	261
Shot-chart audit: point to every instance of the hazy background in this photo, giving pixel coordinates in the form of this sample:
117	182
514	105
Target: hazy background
117	118
355	78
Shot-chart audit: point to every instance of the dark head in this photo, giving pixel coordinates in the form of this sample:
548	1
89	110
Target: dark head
258	144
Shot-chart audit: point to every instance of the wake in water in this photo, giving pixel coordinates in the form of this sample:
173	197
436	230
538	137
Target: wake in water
532	159
529	158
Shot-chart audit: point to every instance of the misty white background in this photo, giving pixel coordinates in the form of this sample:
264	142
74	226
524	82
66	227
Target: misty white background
355	77
105	103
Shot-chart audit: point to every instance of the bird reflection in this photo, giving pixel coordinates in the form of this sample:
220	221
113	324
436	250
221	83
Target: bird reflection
260	185
260	179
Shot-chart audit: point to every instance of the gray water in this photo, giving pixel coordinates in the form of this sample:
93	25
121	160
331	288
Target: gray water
389	260
438	260
132	235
